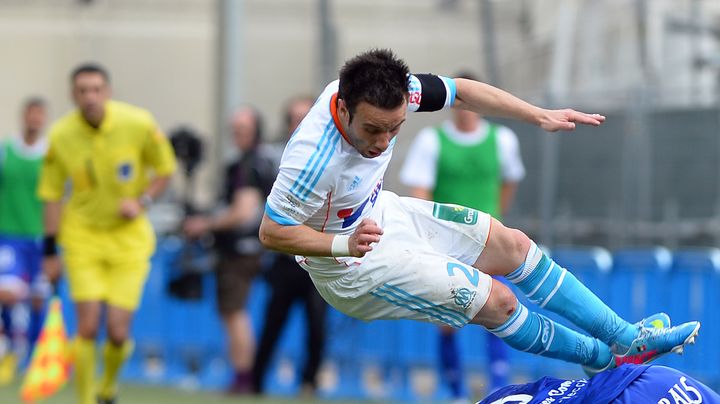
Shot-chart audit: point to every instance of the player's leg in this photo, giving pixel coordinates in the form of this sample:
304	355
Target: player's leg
84	352
125	253
234	278
497	352
512	254
276	312
315	310
450	363
8	356
14	287
127	276
116	350
40	292
527	331
462	233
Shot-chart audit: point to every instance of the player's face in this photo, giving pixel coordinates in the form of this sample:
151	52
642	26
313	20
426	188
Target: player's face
372	129
90	92
34	118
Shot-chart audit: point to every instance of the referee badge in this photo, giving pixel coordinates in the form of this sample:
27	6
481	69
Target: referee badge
125	171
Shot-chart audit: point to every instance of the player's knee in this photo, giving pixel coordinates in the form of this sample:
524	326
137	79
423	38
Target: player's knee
87	330
501	304
513	243
9	298
118	335
505	301
520	244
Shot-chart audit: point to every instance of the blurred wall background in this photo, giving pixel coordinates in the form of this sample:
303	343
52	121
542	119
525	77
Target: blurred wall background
651	66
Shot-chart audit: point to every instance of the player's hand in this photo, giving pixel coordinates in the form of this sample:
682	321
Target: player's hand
196	226
130	208
366	233
52	268
565	119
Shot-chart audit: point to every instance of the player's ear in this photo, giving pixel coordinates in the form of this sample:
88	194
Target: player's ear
343	111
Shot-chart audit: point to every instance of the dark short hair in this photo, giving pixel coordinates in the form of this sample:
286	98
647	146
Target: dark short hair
90	68
34	101
377	77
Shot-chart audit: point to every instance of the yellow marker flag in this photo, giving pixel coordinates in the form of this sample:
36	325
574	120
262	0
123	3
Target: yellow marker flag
49	367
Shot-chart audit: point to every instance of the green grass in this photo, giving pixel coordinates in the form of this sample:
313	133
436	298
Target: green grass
136	394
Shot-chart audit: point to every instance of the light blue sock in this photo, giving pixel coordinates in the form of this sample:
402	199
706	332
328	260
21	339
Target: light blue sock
532	332
552	287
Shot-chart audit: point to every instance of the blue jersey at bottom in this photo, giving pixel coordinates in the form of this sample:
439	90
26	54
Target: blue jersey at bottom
624	385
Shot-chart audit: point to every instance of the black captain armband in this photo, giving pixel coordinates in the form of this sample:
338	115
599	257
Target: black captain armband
434	92
49	246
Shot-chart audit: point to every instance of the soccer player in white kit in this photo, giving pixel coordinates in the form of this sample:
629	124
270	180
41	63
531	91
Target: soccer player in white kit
374	255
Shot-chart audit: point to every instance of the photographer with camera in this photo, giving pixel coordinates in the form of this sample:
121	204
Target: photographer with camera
248	181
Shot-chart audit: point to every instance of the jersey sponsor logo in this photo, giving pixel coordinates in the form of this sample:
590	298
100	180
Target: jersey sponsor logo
124	171
681	393
292	201
455	213
355	182
545	337
351	215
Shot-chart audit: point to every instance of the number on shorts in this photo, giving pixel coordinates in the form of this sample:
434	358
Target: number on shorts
473	277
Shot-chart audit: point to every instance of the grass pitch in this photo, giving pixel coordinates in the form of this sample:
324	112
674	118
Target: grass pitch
137	394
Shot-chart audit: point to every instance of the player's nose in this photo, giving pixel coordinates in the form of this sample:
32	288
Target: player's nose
384	141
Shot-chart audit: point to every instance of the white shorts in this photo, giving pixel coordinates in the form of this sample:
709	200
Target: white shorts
421	268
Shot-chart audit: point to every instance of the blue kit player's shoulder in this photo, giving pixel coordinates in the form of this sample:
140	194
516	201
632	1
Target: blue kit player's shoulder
626	384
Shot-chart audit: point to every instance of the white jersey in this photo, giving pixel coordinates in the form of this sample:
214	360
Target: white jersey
324	182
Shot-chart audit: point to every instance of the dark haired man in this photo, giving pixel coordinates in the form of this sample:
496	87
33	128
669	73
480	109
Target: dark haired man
289	284
106	150
248	180
374	255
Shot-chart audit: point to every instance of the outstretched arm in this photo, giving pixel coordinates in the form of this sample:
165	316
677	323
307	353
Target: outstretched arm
492	101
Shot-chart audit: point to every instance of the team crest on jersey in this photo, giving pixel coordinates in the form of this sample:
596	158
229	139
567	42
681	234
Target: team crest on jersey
124	171
463	297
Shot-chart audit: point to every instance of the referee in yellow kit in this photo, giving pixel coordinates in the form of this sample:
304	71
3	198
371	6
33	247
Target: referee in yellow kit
117	162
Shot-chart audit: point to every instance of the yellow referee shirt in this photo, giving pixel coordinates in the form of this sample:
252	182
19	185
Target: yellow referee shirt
105	164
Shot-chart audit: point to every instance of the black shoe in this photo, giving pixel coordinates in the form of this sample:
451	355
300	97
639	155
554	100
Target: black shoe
111	400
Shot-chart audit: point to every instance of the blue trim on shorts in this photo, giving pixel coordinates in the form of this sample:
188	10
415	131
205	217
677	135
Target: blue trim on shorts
455	313
401	298
416	309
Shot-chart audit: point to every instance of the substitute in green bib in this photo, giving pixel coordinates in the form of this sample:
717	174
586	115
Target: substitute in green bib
474	163
21	232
